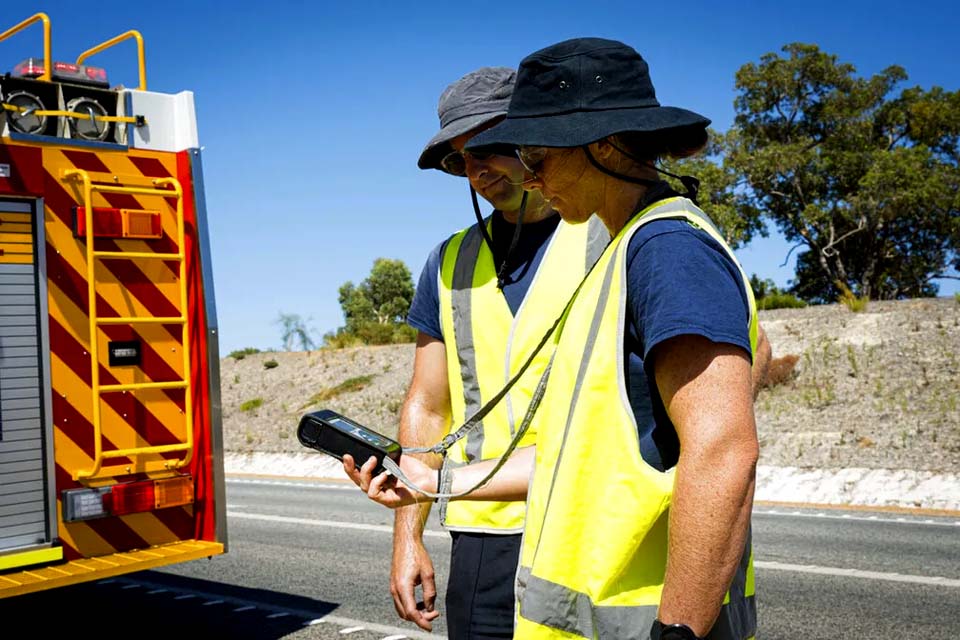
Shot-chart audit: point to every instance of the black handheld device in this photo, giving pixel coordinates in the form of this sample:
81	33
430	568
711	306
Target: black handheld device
336	435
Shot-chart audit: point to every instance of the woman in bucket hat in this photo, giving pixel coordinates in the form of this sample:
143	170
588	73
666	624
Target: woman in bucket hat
638	511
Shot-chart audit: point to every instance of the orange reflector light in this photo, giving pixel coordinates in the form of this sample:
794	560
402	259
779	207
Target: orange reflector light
174	492
110	222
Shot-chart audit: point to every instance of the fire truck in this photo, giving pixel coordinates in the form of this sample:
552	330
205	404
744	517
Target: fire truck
111	450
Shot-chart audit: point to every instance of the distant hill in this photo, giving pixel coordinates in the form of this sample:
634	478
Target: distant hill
877	389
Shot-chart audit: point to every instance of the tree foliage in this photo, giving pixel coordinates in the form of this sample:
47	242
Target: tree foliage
720	196
294	332
375	310
863	176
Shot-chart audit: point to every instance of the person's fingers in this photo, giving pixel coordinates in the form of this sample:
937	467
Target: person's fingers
397	588
377	486
350	468
429	587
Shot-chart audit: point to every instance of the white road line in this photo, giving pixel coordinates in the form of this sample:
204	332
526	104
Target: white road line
849	517
306	484
859	573
209	603
186	596
350	630
395	638
292	483
381	528
246	608
280	614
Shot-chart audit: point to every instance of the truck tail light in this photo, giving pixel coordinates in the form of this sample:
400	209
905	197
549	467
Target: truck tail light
125	498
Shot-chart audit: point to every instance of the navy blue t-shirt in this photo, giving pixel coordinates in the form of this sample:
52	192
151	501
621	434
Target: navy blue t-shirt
679	281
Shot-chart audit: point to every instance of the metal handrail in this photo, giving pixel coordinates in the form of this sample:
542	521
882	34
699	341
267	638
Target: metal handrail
99	454
115	40
38	17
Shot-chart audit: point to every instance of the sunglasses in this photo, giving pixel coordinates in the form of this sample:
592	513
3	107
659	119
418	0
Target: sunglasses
531	157
455	162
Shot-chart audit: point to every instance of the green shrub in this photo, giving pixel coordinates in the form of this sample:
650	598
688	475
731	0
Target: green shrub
250	405
240	354
271	364
850	300
956	297
370	333
347	386
780	301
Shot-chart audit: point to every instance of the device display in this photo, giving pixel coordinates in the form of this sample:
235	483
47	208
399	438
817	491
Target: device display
336	435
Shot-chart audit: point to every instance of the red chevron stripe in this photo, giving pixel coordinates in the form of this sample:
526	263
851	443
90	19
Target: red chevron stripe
150	167
178	519
85	160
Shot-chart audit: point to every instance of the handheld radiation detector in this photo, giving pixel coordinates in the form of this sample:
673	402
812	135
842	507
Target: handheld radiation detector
336	435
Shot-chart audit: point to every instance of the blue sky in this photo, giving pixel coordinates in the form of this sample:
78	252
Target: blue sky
312	114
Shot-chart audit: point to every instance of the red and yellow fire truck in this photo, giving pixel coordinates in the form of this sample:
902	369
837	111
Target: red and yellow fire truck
111	452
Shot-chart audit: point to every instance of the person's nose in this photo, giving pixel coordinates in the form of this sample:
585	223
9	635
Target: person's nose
531	181
476	167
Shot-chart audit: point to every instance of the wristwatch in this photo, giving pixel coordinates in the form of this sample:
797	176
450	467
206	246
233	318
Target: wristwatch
660	631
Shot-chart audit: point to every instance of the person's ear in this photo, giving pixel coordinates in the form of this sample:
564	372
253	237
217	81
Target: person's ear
601	149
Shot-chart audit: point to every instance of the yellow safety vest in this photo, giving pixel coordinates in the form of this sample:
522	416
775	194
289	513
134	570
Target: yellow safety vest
486	345
595	545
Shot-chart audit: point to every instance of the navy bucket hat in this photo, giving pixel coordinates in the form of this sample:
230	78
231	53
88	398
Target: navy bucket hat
470	102
579	91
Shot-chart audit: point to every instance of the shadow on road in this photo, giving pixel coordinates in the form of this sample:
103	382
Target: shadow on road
158	605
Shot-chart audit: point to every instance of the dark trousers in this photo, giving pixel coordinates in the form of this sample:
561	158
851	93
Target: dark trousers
480	596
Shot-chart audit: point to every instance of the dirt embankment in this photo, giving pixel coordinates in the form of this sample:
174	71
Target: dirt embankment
877	389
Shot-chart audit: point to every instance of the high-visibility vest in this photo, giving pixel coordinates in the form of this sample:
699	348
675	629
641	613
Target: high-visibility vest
486	345
595	545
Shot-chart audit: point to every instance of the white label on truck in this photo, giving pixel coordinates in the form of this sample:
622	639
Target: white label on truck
4	171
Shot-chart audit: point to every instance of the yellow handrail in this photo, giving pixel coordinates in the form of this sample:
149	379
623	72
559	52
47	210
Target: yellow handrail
120	38
94	322
39	17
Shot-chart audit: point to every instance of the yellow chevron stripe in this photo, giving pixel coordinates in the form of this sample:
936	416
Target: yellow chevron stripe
81	537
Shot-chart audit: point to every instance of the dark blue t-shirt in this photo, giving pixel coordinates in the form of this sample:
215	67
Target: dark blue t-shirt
679	281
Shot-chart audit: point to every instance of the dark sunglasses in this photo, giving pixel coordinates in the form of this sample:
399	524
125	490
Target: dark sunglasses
455	162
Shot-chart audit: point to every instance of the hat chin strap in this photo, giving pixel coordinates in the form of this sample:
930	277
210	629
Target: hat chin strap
691	184
501	277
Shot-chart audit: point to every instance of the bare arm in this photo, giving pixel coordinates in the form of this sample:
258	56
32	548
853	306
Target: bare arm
706	389
424	420
761	361
509	483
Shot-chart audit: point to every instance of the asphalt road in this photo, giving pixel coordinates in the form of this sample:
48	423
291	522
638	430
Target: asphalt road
312	560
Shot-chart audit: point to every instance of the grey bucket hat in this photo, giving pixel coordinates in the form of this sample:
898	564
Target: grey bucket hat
472	101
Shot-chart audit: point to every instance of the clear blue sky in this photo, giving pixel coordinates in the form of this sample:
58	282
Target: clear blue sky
312	114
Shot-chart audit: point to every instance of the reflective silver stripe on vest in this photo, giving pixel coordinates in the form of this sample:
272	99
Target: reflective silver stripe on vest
559	607
597	240
462	303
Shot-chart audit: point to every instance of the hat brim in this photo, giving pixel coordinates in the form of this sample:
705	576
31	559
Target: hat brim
439	145
582	127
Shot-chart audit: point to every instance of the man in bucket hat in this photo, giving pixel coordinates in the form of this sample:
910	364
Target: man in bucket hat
478	317
638	520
